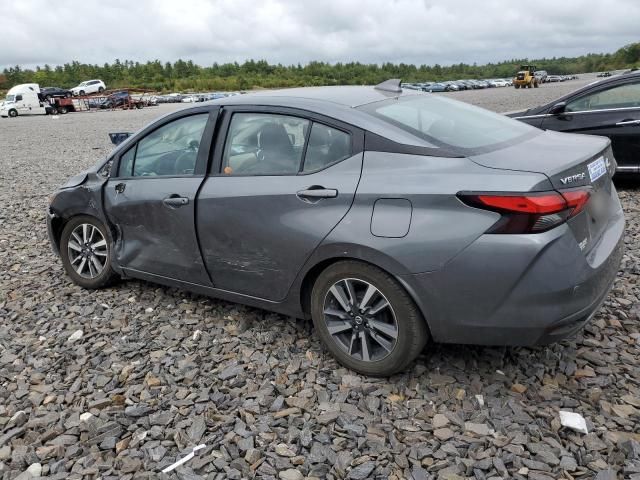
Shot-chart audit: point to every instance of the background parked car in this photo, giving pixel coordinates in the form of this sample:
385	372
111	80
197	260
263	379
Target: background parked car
498	82
89	87
541	75
435	87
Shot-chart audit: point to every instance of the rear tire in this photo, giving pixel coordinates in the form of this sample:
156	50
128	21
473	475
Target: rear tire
85	249
100	90
517	86
67	95
379	332
62	110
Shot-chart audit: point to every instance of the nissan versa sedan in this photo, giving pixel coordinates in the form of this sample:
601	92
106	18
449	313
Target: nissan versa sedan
388	217
608	107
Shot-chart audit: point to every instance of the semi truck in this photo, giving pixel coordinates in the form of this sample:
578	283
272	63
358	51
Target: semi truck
24	99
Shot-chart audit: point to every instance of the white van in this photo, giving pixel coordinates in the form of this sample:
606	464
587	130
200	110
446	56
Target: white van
24	100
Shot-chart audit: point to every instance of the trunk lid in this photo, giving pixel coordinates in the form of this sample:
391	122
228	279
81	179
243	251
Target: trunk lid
570	162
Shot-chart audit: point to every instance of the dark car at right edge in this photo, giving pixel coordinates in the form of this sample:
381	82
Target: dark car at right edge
609	107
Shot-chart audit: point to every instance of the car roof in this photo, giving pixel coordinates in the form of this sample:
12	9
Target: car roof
347	96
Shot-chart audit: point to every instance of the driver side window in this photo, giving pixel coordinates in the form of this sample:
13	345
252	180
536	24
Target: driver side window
622	96
170	150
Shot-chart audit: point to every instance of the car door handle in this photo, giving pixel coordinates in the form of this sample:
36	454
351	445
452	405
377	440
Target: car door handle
317	193
175	201
628	122
119	188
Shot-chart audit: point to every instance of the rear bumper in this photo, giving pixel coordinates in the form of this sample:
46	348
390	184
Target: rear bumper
519	289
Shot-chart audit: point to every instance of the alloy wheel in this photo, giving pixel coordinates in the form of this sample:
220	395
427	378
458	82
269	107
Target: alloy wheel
360	319
88	250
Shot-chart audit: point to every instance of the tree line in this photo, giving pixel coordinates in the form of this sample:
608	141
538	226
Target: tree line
181	76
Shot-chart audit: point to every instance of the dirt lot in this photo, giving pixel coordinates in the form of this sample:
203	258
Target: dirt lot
508	99
156	371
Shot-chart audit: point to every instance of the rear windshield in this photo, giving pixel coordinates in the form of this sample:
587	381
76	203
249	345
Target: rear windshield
447	122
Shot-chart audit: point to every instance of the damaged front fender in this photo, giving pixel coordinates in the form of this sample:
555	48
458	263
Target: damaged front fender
79	196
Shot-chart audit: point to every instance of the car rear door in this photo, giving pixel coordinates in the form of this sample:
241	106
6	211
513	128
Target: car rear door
612	111
281	180
150	200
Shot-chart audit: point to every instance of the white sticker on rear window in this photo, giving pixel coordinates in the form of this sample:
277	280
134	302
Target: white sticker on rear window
597	169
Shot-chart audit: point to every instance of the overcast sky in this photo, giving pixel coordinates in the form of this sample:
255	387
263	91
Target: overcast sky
296	31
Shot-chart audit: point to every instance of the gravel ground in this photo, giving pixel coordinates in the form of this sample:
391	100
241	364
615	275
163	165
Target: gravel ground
509	99
120	383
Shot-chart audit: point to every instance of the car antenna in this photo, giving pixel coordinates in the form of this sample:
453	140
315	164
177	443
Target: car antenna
391	85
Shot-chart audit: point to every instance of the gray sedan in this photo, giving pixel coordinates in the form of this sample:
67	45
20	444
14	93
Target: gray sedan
388	217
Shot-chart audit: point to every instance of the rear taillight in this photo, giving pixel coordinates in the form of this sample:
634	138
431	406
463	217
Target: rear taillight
529	212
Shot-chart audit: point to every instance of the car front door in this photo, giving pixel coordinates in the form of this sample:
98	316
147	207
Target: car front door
151	199
612	111
281	182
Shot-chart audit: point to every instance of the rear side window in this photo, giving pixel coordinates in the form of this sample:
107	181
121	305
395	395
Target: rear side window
168	151
448	122
326	146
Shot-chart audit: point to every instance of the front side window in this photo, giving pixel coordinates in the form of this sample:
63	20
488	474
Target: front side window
448	122
126	162
170	150
622	96
264	144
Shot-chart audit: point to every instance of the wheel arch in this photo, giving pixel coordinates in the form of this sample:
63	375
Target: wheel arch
58	223
313	272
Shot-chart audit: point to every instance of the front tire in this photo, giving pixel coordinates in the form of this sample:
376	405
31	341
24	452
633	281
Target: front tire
13	113
85	249
366	319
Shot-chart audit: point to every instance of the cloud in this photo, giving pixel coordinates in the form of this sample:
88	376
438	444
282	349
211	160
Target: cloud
36	32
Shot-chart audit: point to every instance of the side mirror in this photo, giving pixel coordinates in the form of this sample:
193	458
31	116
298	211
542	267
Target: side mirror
558	108
119	137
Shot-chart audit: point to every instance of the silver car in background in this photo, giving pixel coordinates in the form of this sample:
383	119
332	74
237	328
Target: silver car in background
389	217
